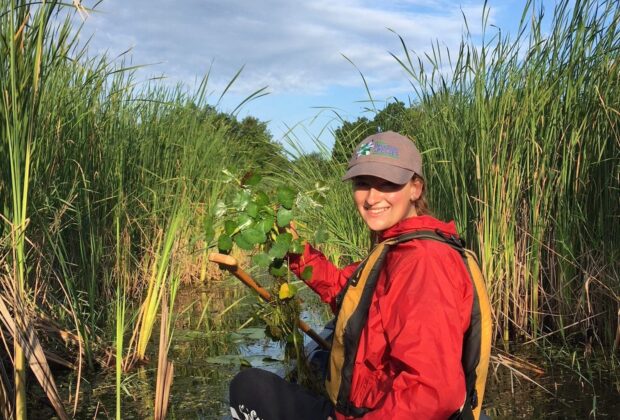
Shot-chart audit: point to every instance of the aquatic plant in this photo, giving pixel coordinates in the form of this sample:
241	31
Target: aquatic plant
258	219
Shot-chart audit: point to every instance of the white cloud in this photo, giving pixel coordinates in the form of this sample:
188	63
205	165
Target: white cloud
291	46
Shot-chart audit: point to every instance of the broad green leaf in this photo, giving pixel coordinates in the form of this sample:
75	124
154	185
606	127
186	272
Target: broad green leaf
278	250
241	200
262	260
320	236
287	291
220	208
254	236
284	238
296	247
251	179
284	217
306	275
278	271
252	210
261	199
230	226
243	221
243	243
224	243
266	224
286	196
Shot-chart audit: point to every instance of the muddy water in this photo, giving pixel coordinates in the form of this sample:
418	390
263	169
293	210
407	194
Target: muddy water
209	346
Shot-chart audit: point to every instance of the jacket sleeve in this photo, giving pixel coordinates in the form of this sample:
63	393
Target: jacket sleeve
327	280
425	313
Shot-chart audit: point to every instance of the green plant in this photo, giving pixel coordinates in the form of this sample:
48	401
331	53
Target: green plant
258	219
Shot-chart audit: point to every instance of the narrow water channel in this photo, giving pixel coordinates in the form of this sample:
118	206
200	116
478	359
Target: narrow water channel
212	341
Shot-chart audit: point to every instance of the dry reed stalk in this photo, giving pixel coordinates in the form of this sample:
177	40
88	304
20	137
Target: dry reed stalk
516	362
6	393
165	368
617	340
24	334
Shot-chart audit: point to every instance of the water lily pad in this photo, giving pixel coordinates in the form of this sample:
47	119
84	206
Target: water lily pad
296	247
252	333
278	271
261	198
224	243
224	359
286	196
266	223
262	260
254	236
244	221
230	226
278	250
252	210
220	208
241	200
284	217
243	243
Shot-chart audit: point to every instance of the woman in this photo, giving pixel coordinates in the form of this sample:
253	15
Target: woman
407	360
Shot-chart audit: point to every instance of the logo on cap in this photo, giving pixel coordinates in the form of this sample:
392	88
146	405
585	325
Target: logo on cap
380	148
365	149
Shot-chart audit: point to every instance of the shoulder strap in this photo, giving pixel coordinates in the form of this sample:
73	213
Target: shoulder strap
436	235
477	339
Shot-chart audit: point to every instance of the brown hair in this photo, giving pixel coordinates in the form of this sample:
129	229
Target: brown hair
421	204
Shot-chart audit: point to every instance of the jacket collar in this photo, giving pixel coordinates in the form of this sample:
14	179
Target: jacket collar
414	223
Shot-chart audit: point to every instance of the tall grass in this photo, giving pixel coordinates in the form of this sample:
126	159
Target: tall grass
521	140
24	56
93	167
349	239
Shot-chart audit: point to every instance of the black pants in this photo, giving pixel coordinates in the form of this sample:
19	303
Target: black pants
257	394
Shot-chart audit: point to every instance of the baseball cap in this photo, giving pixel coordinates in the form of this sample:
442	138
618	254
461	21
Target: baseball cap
389	155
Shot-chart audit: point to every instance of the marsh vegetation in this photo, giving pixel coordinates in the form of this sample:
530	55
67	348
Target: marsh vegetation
109	192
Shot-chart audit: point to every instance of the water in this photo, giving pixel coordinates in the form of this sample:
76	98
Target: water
206	355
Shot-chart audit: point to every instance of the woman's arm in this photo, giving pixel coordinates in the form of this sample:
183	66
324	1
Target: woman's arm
327	280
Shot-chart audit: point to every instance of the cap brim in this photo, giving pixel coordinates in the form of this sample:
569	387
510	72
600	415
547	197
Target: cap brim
390	173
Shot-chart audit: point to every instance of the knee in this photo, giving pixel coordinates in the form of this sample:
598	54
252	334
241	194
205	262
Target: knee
244	382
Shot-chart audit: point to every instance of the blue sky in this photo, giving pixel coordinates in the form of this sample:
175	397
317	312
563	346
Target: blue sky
294	48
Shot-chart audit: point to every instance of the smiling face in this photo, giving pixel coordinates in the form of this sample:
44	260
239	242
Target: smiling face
382	204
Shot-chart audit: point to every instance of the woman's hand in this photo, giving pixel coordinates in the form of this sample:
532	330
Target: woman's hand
292	230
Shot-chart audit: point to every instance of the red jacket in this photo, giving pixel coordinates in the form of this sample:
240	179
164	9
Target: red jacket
408	364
